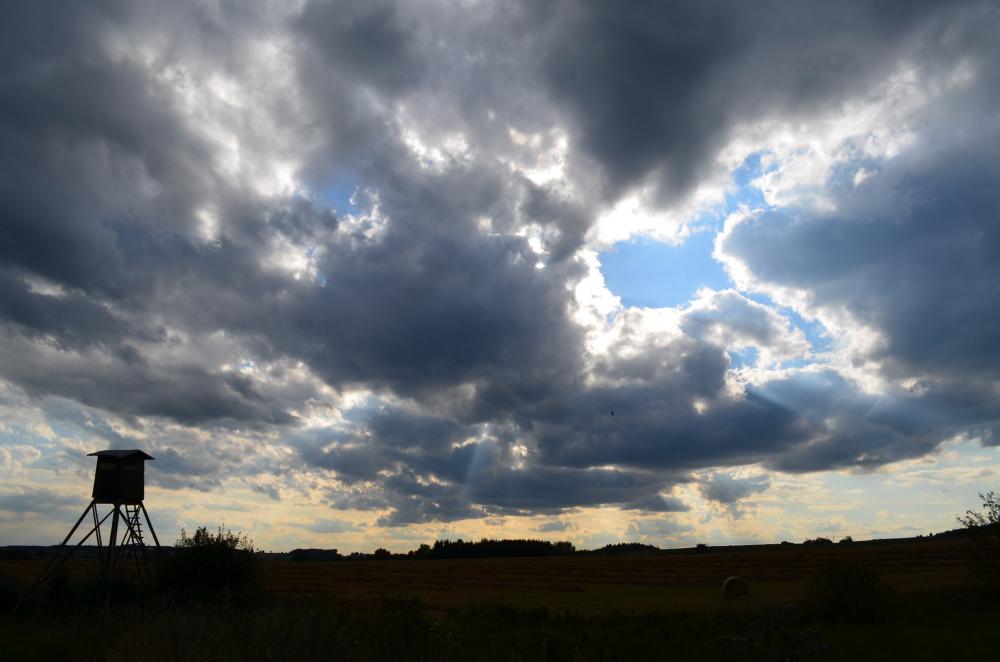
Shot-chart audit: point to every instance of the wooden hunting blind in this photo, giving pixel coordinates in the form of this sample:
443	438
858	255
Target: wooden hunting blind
119	483
119	477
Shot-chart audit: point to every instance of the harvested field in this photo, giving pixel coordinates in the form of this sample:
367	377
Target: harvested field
595	584
601	584
657	606
681	580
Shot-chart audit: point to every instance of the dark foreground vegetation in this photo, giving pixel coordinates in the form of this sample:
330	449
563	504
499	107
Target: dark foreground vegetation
225	611
215	598
848	615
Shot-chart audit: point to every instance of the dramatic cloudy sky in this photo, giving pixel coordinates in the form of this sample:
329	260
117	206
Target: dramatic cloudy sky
363	273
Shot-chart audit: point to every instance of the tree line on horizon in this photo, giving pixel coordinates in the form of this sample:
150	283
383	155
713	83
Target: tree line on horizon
526	547
452	549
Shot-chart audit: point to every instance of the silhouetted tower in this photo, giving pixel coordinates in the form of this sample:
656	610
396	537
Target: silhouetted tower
118	483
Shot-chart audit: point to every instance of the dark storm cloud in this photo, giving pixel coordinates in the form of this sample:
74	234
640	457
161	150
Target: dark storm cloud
655	387
72	321
181	459
728	489
186	393
846	427
658	504
911	253
538	489
414	313
35	501
501	490
655	89
554	525
191	468
431	303
804	422
80	136
656	528
116	292
448	307
926	233
414	502
427	474
368	41
101	180
85	420
673	410
385	438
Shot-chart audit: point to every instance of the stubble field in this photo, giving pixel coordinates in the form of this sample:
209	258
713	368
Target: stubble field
672	581
581	607
601	584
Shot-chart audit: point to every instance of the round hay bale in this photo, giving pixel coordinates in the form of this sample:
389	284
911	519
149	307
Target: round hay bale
735	588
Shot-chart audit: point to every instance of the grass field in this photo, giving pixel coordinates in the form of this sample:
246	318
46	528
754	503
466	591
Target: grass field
580	607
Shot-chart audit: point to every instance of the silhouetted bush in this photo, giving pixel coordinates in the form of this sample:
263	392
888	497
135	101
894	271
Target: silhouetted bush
846	540
382	554
701	548
817	542
212	566
847	593
985	530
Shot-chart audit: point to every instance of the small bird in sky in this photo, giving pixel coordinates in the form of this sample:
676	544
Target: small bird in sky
612	412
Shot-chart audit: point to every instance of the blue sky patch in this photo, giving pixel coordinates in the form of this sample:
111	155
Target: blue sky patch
652	274
337	192
745	193
744	357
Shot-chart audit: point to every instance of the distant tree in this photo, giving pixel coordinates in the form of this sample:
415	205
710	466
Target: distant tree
846	540
985	529
989	518
422	552
381	554
701	548
818	542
